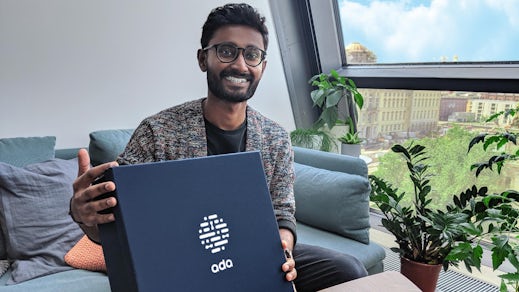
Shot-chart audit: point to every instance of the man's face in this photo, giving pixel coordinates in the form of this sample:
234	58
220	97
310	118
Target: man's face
235	81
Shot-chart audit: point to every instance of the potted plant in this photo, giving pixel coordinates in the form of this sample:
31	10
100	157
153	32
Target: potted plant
350	141
331	90
435	238
312	138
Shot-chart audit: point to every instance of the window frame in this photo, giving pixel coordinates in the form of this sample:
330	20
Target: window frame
460	76
310	39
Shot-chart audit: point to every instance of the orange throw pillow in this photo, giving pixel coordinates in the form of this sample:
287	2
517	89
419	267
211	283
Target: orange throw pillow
86	255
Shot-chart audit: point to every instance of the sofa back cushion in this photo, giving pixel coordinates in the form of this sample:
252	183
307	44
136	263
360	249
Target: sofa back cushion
333	201
21	151
106	145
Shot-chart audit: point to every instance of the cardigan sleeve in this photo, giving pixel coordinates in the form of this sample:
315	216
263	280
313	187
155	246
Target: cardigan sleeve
282	186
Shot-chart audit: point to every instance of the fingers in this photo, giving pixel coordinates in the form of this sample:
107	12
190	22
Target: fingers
89	212
289	267
92	192
86	175
85	204
83	161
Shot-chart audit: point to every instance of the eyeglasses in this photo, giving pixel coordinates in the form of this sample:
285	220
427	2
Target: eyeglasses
228	53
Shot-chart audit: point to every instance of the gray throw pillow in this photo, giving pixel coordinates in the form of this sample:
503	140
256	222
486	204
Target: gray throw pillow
333	201
34	203
21	151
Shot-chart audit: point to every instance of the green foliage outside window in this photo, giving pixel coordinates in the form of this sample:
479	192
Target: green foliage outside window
450	166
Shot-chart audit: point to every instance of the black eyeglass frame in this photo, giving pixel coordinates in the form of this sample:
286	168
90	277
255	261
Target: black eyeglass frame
215	46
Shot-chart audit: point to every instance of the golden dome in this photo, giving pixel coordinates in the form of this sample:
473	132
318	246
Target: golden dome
356	47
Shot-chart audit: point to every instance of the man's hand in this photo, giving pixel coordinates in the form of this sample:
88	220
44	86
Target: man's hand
84	207
287	243
289	267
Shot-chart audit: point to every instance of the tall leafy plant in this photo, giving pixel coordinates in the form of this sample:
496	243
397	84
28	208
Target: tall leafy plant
440	236
330	90
505	244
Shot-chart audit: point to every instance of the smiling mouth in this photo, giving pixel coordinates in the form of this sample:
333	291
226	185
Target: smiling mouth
236	79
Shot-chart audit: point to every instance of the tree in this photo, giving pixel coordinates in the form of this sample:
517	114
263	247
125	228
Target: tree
450	164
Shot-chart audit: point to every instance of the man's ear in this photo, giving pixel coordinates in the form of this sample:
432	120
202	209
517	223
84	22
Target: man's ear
202	60
264	65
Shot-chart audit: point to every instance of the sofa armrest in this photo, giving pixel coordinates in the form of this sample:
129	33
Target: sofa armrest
330	161
332	193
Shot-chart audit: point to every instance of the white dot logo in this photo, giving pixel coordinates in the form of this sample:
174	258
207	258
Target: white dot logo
214	233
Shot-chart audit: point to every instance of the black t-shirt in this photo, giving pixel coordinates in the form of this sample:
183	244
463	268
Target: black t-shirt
221	142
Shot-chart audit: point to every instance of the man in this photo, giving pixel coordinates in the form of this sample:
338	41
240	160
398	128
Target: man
234	43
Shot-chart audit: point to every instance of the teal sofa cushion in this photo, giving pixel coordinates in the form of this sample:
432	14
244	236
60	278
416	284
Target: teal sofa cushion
371	255
333	201
106	145
22	151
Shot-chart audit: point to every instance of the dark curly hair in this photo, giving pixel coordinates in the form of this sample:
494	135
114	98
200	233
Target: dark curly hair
233	14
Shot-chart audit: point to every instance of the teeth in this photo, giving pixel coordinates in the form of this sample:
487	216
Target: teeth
236	80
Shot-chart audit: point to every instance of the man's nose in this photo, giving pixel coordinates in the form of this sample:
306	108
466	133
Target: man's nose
239	63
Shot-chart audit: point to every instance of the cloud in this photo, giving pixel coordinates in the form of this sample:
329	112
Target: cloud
426	31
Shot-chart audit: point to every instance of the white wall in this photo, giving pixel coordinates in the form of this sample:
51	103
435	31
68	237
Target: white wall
69	67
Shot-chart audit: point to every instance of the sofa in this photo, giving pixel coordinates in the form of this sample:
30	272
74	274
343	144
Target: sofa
332	202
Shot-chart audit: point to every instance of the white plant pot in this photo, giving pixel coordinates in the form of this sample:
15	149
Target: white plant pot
315	144
350	149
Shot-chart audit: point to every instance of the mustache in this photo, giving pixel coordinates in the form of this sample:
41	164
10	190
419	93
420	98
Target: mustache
235	73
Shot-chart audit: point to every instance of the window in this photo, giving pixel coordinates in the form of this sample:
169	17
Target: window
423	71
429	31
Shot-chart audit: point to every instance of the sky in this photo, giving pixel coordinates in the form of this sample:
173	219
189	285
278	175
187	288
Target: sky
433	30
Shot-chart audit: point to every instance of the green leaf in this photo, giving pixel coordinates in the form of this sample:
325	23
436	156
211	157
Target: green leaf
334	74
512	258
499	255
334	96
500	241
470	228
359	99
329	116
489	141
477	255
510	276
317	97
502	287
479	138
494	116
502	142
397	148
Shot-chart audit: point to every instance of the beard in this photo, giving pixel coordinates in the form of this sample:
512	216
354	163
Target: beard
235	96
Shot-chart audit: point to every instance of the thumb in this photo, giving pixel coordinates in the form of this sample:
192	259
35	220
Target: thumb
83	161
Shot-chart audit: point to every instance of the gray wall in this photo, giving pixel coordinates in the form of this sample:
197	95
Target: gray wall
69	67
